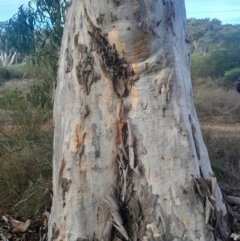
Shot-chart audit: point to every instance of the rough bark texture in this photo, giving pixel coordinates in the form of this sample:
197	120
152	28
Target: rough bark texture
129	159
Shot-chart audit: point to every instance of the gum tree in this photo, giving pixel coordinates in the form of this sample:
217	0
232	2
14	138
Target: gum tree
129	160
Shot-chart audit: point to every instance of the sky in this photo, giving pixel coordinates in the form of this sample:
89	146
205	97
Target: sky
228	11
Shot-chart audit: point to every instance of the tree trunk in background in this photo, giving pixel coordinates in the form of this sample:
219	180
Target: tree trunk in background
7	58
129	160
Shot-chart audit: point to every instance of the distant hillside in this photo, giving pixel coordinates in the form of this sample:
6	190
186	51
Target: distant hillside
207	35
215	49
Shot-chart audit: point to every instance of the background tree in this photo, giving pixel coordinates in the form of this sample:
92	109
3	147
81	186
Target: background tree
7	58
36	31
129	160
215	48
7	55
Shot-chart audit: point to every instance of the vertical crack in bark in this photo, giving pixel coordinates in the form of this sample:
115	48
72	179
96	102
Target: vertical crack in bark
111	200
194	137
132	161
95	141
76	39
134	208
55	232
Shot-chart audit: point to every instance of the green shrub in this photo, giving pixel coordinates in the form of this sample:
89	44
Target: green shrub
23	70
11	72
215	63
4	74
231	76
200	66
39	95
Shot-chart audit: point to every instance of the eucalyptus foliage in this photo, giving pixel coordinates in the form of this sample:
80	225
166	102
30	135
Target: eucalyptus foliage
36	31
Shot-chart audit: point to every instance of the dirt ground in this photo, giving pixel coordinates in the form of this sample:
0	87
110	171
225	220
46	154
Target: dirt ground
221	129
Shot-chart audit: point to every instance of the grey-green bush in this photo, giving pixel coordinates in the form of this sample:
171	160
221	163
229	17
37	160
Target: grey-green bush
231	76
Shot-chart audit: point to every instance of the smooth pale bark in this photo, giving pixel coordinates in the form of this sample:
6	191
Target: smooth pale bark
129	160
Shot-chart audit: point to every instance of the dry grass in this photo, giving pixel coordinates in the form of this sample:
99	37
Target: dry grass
219	112
224	153
21	85
216	103
25	153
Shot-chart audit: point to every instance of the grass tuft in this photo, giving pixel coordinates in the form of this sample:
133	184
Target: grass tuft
215	102
26	137
224	154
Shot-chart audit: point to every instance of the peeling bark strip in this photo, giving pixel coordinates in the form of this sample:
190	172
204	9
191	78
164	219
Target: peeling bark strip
85	70
134	210
207	190
194	137
214	219
120	72
137	211
111	201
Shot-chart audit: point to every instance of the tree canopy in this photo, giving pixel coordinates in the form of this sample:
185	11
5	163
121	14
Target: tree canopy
215	47
36	30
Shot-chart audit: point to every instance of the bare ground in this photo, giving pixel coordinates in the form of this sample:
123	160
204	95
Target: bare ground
221	129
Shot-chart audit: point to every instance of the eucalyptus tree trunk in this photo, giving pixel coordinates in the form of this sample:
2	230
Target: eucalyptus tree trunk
7	58
129	160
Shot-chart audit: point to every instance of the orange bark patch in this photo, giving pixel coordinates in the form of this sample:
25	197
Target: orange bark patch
113	38
121	113
134	100
141	47
78	138
119	134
